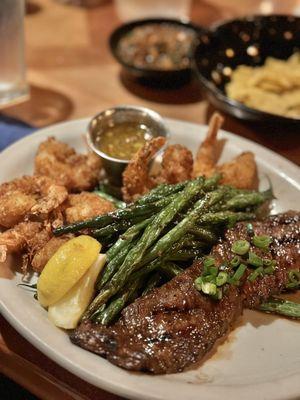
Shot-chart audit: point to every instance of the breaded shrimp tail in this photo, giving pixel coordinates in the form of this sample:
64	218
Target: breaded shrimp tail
15	240
136	179
241	172
206	157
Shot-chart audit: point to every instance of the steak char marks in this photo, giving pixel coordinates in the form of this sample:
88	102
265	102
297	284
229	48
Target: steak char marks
174	326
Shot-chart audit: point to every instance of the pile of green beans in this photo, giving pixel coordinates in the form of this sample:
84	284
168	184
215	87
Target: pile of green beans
154	238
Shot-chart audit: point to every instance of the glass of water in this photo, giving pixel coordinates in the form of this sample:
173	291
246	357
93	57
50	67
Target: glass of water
13	85
137	9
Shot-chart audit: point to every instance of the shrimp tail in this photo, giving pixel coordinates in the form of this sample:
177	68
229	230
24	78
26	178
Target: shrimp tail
206	157
136	178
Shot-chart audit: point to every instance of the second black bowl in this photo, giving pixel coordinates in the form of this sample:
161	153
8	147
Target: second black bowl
155	76
247	41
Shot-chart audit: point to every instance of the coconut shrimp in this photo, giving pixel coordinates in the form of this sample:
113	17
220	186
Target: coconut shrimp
40	251
177	164
77	207
15	240
59	161
38	195
206	156
136	178
241	172
35	240
85	205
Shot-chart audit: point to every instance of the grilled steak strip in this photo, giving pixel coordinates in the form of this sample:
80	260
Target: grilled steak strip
174	326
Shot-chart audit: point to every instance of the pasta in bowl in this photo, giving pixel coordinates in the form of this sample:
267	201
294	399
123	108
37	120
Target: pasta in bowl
236	56
273	87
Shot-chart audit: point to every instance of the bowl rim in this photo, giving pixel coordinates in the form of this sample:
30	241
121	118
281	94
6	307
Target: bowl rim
210	87
153	114
123	29
250	18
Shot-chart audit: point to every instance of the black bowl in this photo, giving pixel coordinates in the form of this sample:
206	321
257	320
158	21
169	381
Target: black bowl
244	41
155	76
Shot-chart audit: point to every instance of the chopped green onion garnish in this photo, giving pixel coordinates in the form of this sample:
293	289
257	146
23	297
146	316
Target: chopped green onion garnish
209	288
294	279
262	241
239	273
259	271
198	283
294	275
208	262
213	271
255	260
240	247
267	262
235	262
269	270
208	278
221	279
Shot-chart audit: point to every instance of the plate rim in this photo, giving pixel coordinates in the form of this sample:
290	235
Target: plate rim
119	388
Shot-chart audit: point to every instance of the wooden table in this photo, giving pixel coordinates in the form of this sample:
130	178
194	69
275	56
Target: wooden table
73	75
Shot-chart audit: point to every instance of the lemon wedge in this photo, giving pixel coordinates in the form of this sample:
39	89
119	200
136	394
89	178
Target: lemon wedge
68	310
65	268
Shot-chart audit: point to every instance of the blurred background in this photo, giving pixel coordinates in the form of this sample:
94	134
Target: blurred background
70	70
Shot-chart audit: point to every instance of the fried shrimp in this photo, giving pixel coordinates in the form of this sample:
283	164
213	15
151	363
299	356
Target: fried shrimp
38	195
59	161
136	178
206	157
241	172
14	206
78	207
85	205
177	164
40	253
34	240
15	240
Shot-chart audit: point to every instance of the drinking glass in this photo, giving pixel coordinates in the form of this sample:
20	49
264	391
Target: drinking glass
13	85
136	9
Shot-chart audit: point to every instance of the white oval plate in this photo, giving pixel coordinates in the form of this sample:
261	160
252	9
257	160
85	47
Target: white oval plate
261	358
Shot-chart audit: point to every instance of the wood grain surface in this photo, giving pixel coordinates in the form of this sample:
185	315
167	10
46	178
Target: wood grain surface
73	75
